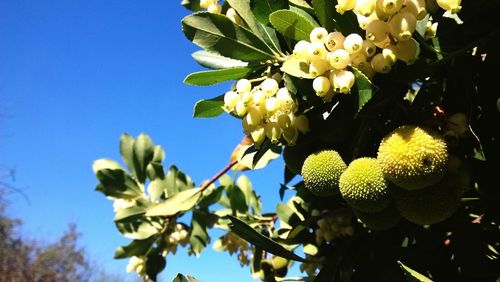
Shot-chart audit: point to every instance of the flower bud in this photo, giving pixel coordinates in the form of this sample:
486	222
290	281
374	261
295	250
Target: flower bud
241	108
301	123
430	30
380	64
390	6
272	105
269	86
406	51
344	6
343	81
339	59
246	98
364	21
318	34
243	85
285	99
205	3
273	131
377	30
254	116
290	134
369	48
258	136
389	55
318	67
450	5
321	85
316	50
416	7
301	48
402	26
259	97
364	7
214	9
358	60
284	121
353	43
334	41
230	100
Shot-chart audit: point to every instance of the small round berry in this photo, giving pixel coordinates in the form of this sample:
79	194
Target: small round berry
318	34
243	85
353	43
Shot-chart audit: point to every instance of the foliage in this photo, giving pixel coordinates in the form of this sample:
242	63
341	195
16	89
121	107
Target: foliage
299	92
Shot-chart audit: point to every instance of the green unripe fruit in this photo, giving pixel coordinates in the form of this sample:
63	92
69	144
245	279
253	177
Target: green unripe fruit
412	157
383	220
321	172
432	204
363	186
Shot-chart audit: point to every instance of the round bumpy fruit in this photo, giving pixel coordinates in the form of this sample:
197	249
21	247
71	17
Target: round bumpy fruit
321	172
383	220
432	204
412	157
363	186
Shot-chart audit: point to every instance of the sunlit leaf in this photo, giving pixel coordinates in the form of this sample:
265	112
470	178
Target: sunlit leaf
177	203
265	243
135	248
143	155
263	8
215	61
219	34
210	77
292	25
209	108
297	67
117	183
364	89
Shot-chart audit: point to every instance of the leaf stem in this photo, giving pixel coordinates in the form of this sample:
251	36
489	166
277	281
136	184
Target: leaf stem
218	175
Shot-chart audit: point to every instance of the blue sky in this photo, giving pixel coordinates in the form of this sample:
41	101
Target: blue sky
74	76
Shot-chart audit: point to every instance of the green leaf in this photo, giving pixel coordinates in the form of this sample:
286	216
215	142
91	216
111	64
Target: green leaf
143	155
211	196
302	4
177	181
242	7
177	203
292	25
137	228
105	164
182	278
135	248
297	67
199	237
257	159
251	197
127	151
257	239
263	8
128	212
214	61
364	89
117	183
155	263
204	78
237	199
193	5
209	108
412	275
219	34
325	10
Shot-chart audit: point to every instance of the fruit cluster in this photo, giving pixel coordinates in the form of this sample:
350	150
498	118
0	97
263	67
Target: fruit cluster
266	110
232	243
411	177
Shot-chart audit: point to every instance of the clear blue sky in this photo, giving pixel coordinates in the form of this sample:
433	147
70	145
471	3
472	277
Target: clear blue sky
74	75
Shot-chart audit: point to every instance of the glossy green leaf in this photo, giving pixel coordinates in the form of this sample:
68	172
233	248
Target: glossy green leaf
155	171
128	212
117	183
263	8
302	4
204	78
136	228
155	263
135	248
265	243
177	203
364	89
215	61
105	164
251	197
243	9
209	108
211	196
143	155
257	159
127	151
217	33
412	275
199	237
324	10
296	67
292	25
237	199
177	181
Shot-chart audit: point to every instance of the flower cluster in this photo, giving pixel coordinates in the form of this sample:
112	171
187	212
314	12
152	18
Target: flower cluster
234	244
179	236
266	111
332	227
